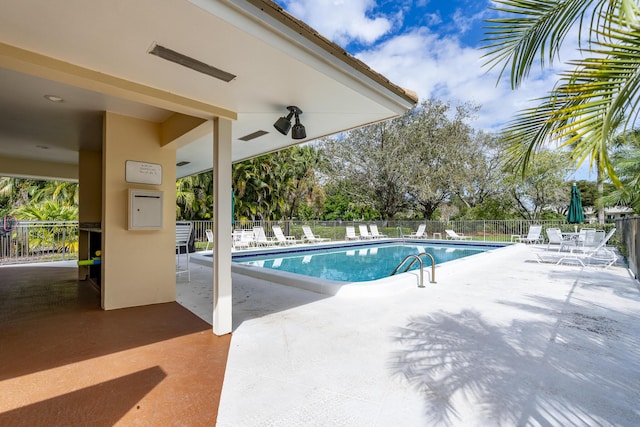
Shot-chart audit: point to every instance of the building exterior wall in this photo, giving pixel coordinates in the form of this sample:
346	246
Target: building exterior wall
89	202
138	266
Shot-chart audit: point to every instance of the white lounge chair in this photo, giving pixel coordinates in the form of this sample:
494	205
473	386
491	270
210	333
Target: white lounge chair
419	234
598	255
310	237
556	238
243	239
209	234
281	239
260	238
364	232
452	235
587	239
351	233
533	236
375	233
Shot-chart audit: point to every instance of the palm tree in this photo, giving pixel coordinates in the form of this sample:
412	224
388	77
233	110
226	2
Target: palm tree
194	196
46	211
626	160
61	192
587	102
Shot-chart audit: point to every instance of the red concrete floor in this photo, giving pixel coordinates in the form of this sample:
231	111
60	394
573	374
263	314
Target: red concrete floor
66	362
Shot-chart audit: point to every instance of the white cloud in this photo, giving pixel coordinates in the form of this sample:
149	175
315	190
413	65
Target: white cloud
441	68
343	21
432	65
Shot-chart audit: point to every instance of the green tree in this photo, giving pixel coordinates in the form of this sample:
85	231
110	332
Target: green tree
414	162
339	205
251	189
443	155
275	186
588	193
35	199
194	197
585	107
626	161
64	193
18	192
46	211
296	183
542	188
371	161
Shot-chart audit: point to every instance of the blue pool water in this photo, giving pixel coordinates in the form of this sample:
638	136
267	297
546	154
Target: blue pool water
357	263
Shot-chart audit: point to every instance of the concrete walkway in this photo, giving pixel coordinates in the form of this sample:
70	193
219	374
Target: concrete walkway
500	340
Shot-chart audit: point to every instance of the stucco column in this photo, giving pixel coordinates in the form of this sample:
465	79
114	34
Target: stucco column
222	316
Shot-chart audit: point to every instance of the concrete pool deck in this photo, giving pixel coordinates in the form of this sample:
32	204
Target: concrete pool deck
500	340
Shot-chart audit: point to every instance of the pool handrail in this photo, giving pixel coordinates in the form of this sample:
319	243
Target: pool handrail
419	259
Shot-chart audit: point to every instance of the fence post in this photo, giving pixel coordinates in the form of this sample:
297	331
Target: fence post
64	241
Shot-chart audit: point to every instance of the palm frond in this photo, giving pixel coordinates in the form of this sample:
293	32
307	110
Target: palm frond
587	106
531	30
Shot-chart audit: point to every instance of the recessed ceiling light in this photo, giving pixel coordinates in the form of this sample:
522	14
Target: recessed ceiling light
54	98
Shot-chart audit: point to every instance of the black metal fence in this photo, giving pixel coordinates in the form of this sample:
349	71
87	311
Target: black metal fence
56	240
37	241
630	238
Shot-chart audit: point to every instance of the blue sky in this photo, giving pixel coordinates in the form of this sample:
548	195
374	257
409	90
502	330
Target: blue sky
430	47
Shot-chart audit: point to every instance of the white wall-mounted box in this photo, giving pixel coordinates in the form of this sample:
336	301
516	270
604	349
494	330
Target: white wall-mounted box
145	209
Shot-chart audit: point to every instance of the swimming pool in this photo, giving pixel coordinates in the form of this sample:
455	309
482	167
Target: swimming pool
357	263
268	264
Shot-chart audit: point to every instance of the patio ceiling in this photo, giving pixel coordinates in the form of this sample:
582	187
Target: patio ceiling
277	60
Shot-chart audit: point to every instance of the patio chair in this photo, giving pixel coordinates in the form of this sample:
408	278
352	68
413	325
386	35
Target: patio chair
351	233
584	238
183	234
556	238
599	254
452	235
533	236
243	239
209	234
375	233
260	238
310	237
281	239
364	232
420	233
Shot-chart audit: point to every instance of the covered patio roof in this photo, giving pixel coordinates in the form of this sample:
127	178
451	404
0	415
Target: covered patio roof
95	56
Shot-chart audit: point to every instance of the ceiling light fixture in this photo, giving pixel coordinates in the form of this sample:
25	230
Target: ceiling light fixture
194	64
253	135
54	98
283	124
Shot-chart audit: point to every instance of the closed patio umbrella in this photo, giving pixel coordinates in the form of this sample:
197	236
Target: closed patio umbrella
575	214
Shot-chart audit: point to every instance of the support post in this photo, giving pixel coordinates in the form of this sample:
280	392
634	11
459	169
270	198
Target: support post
222	303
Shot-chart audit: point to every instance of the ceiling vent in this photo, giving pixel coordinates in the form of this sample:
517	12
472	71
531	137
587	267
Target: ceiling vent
183	163
194	64
253	135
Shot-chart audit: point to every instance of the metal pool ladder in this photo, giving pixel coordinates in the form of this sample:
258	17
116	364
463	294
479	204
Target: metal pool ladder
418	258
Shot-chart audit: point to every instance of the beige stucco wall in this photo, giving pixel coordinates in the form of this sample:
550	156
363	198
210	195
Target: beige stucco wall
90	201
138	266
90	180
37	169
